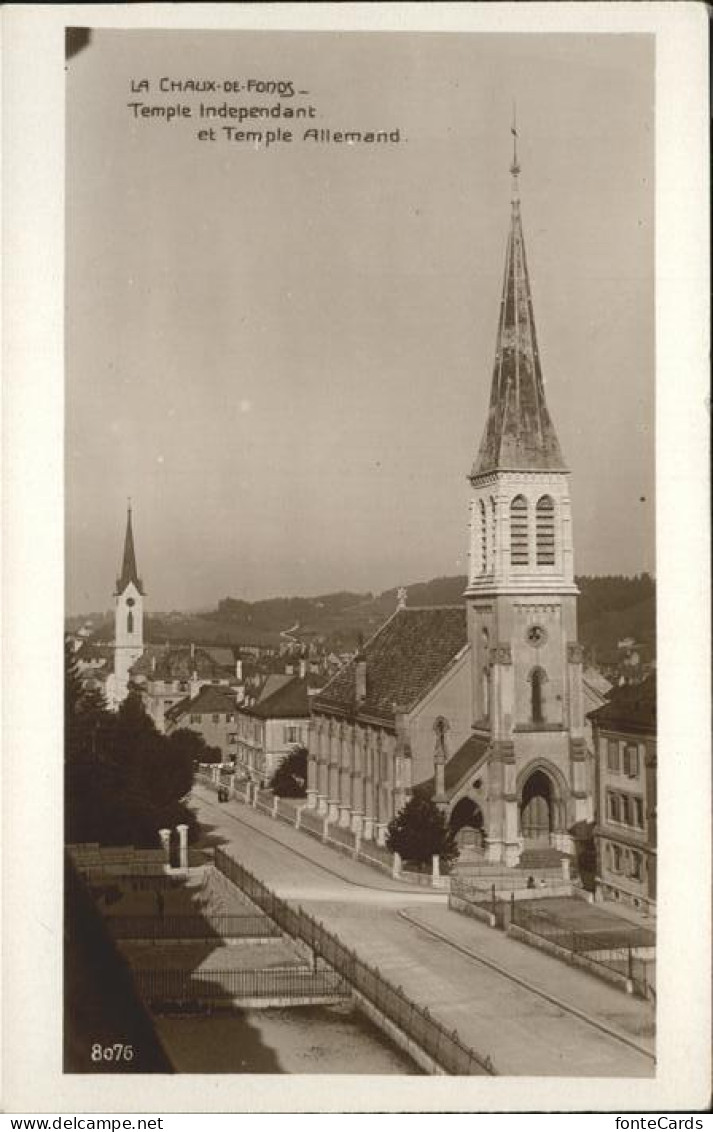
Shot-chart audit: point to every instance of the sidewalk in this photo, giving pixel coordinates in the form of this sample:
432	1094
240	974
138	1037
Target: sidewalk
631	1017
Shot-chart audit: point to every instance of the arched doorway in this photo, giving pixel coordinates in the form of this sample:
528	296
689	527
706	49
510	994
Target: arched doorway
537	807
467	824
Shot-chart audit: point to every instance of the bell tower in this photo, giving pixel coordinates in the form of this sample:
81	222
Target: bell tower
521	595
128	617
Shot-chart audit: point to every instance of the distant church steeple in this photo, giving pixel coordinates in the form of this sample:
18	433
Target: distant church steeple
128	619
129	573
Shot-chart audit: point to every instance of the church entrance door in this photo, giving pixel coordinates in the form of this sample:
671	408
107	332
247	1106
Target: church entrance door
536	810
467	824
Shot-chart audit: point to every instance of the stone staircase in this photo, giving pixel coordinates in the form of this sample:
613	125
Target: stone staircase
544	858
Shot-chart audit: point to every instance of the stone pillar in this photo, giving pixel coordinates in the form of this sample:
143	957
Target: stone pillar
312	790
275	804
357	843
344	816
380	833
298	817
256	791
332	811
367	831
325	828
435	869
396	866
165	835
182	846
565	869
357	821
321	804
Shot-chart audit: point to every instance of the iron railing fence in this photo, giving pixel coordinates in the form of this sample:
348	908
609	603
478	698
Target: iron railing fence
209	926
444	1047
613	950
482	898
161	986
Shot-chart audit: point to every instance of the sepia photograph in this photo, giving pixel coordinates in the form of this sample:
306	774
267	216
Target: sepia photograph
367	597
361	628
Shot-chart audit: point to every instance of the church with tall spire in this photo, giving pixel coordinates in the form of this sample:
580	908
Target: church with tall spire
522	596
128	620
479	707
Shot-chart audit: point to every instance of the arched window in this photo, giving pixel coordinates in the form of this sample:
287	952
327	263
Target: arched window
545	531
519	549
538	678
486	693
130	622
483	539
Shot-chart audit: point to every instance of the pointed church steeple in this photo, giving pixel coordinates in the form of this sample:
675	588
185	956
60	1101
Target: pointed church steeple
519	434
129	573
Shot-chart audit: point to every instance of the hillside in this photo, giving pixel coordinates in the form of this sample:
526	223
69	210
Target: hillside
610	608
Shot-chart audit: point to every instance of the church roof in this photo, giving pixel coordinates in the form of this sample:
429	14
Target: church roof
519	434
466	758
129	573
208	701
404	659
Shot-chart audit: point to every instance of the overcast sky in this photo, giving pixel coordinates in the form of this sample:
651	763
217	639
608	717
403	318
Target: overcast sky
284	355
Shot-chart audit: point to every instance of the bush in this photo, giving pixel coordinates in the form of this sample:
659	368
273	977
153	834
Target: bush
420	831
290	778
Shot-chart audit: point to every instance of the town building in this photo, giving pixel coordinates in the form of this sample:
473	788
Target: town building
212	714
128	644
167	674
490	718
625	832
271	726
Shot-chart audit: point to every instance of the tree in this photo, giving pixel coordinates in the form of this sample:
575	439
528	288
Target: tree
290	777
420	831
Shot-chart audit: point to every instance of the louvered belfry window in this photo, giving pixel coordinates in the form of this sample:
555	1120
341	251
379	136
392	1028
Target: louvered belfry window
519	551
483	540
545	531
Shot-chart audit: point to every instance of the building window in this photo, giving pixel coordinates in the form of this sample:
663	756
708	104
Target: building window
230	718
636	872
639	812
519	547
486	693
292	734
493	513
616	858
545	531
538	678
613	756
613	807
631	760
130	622
232	740
483	539
195	719
624	809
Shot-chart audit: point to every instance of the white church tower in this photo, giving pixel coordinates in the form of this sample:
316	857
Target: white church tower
128	620
522	596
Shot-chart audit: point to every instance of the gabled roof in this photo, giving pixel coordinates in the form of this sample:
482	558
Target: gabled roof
274	681
165	662
629	707
519	434
129	573
404	659
209	700
290	701
466	757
